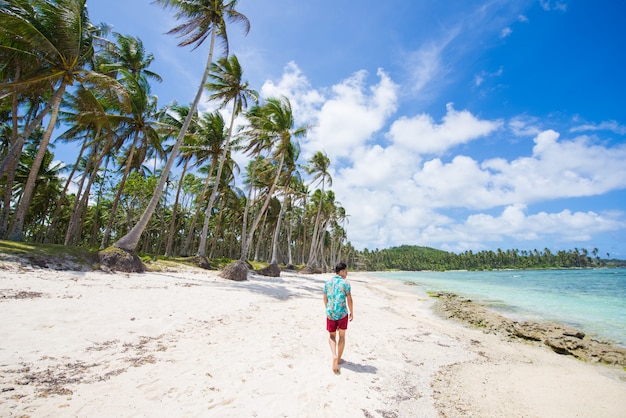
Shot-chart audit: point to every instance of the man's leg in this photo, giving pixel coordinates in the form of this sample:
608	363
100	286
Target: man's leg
341	344
332	341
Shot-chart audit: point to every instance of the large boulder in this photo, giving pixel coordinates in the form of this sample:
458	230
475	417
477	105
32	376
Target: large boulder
237	271
118	259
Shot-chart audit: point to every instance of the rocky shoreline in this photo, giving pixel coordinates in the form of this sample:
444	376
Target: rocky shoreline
560	338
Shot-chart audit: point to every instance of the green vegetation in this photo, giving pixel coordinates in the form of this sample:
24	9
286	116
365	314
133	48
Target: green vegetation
406	258
64	79
54	251
413	258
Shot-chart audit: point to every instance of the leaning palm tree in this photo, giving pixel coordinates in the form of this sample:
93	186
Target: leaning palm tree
273	123
59	36
227	86
141	127
211	139
203	19
174	118
318	166
289	179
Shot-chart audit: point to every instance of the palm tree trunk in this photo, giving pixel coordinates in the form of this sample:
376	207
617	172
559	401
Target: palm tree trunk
17	231
274	259
57	210
244	223
118	194
192	227
129	241
170	235
8	194
73	236
16	148
205	228
312	253
266	204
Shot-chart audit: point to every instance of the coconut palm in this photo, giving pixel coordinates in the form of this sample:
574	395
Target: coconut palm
59	36
318	167
272	123
141	127
127	53
226	85
174	117
90	115
211	139
203	19
290	177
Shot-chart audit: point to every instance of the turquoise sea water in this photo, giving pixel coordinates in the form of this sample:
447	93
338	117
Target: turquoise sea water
593	301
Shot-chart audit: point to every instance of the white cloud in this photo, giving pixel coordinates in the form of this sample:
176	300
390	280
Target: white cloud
479	79
394	197
350	117
549	5
401	179
506	32
422	135
426	66
610	125
514	222
524	126
296	87
559	169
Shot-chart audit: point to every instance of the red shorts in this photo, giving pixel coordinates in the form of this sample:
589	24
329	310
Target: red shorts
333	324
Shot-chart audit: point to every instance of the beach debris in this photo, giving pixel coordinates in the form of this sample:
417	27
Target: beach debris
22	294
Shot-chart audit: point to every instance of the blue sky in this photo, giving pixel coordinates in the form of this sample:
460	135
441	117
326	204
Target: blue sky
470	125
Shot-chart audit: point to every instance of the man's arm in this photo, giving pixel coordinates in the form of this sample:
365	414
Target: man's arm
349	300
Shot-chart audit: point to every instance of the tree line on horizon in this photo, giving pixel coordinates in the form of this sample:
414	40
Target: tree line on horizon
64	79
415	258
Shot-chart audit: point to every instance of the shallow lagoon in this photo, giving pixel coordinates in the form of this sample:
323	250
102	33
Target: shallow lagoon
592	300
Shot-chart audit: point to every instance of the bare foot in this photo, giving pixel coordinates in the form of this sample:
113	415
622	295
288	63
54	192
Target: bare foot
341	361
336	365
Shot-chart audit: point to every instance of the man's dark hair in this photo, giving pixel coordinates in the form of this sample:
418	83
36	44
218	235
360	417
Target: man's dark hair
340	266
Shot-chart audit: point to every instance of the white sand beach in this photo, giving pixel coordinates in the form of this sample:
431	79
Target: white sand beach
192	344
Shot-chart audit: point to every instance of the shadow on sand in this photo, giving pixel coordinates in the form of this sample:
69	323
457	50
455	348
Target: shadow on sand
358	368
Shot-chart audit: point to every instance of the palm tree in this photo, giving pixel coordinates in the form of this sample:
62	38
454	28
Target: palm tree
272	123
318	166
141	126
227	85
46	192
174	116
289	179
128	53
210	142
89	113
60	36
204	19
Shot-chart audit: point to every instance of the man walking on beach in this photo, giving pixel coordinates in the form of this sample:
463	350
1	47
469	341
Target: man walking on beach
336	296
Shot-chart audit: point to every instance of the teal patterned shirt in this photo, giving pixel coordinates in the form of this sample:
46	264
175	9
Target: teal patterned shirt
336	290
